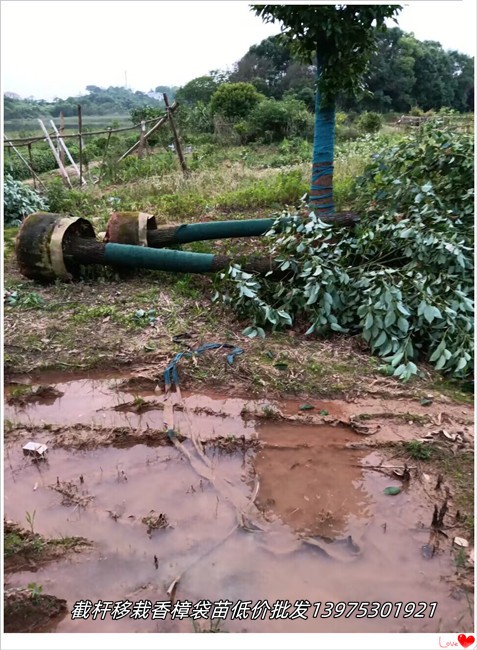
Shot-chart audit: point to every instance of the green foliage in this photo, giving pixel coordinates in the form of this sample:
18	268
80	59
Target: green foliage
42	160
345	133
342	36
234	101
198	90
146	113
286	188
29	300
35	590
403	279
370	122
193	120
30	518
273	120
114	100
19	201
132	168
399	68
417	450
76	202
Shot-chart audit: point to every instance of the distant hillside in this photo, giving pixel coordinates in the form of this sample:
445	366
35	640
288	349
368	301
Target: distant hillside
98	101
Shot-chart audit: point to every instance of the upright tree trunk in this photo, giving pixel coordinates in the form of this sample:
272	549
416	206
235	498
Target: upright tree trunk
321	193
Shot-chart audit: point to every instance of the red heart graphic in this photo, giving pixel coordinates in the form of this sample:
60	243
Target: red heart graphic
466	641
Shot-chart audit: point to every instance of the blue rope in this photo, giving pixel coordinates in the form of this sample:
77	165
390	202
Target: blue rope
171	375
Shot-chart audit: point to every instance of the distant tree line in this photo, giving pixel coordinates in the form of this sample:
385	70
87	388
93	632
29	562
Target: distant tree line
99	101
404	73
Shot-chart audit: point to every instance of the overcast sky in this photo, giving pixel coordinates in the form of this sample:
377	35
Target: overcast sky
55	49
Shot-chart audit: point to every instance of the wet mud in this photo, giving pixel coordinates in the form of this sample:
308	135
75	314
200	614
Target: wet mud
222	498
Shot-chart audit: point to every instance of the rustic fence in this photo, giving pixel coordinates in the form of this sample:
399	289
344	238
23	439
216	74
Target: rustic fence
460	122
58	136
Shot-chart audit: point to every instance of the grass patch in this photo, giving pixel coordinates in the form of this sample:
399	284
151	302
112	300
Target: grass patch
22	548
418	450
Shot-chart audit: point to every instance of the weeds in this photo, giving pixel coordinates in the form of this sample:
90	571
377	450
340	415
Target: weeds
417	450
268	412
30	518
35	590
30	300
138	402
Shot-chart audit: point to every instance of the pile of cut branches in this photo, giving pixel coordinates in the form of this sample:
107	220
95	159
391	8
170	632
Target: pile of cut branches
403	279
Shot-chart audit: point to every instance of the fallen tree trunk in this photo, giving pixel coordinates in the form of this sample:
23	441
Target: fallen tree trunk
87	251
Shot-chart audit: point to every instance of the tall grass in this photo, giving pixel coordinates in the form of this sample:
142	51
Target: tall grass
221	181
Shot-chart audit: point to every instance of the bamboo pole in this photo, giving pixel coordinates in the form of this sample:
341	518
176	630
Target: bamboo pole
62	130
176	136
64	149
63	171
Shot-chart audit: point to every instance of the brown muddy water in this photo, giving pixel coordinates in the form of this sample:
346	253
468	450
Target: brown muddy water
298	517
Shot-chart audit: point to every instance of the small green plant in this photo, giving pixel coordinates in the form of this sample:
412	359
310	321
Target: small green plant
35	590
19	201
144	317
31	300
417	450
138	402
17	393
30	518
269	412
460	559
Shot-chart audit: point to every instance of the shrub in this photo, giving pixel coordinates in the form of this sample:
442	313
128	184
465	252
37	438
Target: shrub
403	279
19	201
234	101
370	122
269	121
79	203
272	120
42	161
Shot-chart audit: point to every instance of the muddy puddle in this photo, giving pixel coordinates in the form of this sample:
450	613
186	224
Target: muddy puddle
297	517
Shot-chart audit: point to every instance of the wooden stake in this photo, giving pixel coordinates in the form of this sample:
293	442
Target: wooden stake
141	139
80	135
176	137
